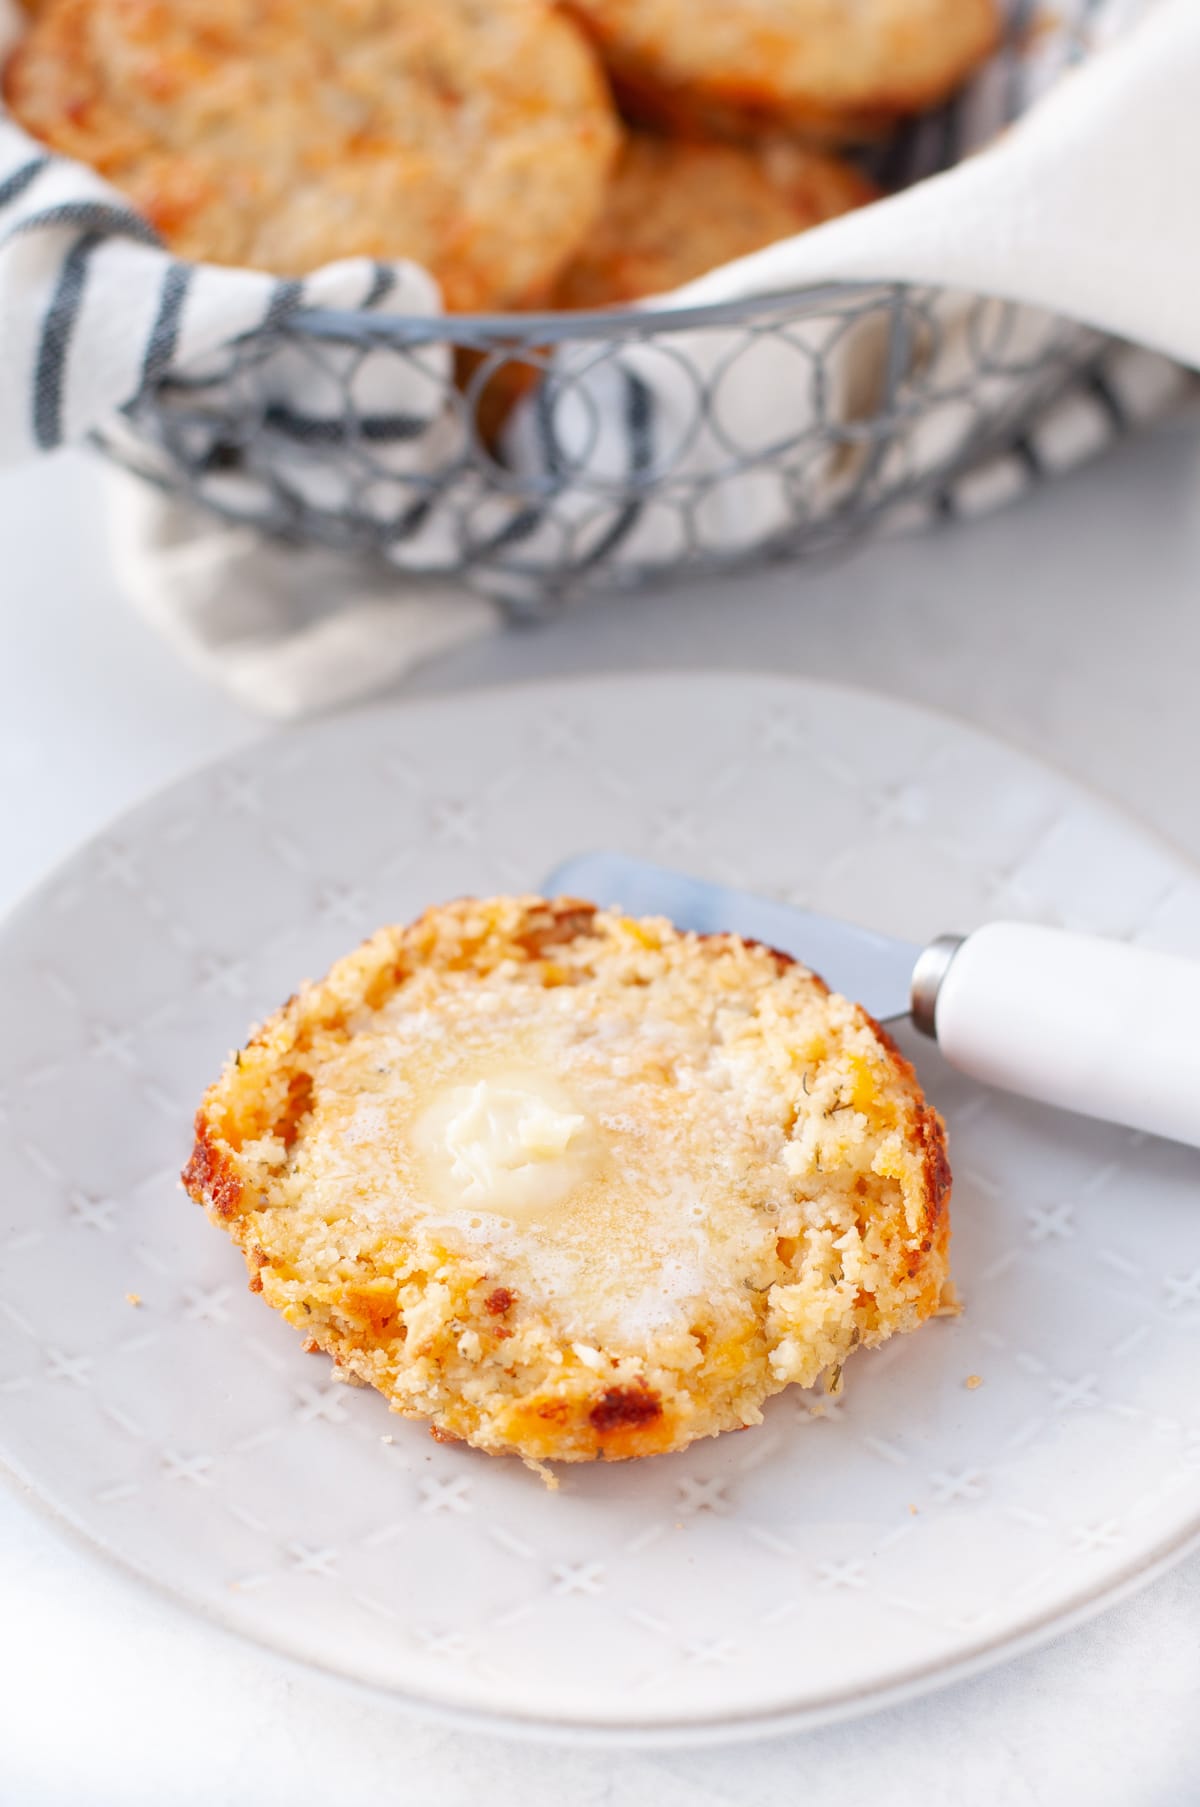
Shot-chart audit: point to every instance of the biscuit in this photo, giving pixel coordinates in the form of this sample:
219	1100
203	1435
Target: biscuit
677	209
573	1185
824	68
475	139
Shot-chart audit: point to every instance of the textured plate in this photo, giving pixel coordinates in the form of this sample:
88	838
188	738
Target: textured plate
836	1556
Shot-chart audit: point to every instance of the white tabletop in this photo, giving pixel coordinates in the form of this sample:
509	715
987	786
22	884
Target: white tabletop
1070	626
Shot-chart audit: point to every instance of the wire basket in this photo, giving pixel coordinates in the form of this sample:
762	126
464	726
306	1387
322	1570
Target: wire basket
537	456
534	456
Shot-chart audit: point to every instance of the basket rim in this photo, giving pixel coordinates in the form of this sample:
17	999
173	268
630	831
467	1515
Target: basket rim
636	321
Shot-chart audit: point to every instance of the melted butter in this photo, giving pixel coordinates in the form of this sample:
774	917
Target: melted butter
511	1144
610	1178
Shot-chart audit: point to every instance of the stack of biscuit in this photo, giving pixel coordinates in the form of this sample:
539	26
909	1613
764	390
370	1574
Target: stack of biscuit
530	155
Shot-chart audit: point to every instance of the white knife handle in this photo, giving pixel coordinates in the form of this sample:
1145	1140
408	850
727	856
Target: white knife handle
1094	1026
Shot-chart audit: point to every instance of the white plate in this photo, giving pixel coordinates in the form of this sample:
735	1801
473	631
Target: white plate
833	1558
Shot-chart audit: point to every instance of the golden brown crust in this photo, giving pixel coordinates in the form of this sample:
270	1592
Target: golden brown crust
841	1239
743	116
283	134
829	70
209	1173
621	1407
554	924
928	1136
676	210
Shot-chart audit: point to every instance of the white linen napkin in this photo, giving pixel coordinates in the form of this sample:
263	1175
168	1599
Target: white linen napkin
1083	210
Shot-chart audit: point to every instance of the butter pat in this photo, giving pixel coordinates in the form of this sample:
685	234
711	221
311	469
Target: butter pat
497	1130
510	1144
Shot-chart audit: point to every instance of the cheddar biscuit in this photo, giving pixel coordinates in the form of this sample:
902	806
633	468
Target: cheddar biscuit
677	209
573	1185
826	67
473	138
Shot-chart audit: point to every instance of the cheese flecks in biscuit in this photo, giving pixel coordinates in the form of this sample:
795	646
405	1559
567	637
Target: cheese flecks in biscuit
831	68
283	134
571	1185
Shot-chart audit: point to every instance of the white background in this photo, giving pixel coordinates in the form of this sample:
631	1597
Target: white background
1069	625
